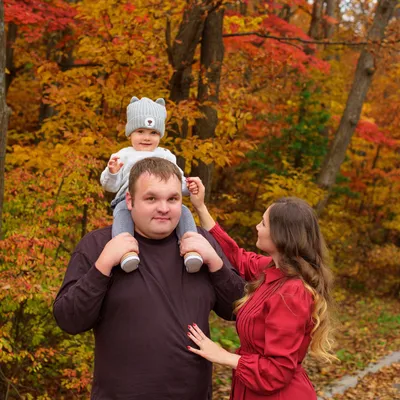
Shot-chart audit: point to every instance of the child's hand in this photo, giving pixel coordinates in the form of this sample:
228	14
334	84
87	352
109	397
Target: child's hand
114	165
197	191
192	186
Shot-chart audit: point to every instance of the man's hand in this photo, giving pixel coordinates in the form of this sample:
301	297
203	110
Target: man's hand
114	250
193	241
114	165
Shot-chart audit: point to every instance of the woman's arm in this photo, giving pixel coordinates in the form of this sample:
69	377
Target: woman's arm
249	264
206	220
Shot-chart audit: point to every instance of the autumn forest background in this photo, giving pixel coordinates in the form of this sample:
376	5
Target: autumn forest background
265	99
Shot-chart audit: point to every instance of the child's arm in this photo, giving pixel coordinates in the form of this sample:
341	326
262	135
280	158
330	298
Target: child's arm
111	178
114	165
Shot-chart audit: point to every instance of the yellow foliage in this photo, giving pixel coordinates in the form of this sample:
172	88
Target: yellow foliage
383	257
295	183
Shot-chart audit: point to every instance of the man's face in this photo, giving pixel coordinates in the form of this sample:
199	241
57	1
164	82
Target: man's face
156	206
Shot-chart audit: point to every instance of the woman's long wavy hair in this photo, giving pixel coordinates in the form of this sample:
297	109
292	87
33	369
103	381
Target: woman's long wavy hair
303	254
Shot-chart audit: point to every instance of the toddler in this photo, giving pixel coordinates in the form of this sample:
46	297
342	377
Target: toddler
145	127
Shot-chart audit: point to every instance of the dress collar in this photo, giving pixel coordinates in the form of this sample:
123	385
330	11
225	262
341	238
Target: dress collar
273	274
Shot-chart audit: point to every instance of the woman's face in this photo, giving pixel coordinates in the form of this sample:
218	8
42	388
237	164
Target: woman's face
264	241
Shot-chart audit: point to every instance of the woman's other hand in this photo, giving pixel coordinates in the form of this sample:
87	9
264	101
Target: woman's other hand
210	350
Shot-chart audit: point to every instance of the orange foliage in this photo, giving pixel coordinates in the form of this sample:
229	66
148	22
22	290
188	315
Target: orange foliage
78	64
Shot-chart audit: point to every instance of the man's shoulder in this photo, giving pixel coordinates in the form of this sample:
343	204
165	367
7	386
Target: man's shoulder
207	235
94	241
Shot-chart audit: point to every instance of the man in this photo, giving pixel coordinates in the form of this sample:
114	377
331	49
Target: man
140	320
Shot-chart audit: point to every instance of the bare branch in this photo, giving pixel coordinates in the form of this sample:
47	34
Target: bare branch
323	42
168	40
9	383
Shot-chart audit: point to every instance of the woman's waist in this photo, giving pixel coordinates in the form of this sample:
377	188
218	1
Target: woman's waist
244	352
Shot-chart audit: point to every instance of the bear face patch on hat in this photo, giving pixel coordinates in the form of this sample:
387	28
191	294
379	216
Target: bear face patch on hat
150	122
145	113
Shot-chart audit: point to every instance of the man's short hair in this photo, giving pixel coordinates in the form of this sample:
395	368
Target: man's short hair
159	167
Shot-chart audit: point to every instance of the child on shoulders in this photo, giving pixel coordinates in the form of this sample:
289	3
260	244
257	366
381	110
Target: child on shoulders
145	128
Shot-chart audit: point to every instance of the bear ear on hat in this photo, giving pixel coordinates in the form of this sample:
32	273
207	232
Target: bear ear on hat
134	99
161	101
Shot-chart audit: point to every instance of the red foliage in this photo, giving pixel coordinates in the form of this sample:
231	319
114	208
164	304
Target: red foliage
129	7
35	17
289	52
371	132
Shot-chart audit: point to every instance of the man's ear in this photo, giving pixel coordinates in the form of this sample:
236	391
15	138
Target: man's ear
129	201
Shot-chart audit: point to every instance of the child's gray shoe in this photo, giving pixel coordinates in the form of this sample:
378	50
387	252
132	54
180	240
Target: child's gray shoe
193	262
130	261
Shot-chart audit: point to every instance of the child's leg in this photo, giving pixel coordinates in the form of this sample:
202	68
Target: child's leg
186	223
193	260
123	222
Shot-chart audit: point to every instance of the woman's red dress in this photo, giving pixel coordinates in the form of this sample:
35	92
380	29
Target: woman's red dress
274	328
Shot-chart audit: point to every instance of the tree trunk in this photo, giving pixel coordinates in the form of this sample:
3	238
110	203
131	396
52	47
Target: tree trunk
330	11
64	60
181	55
316	19
320	27
212	55
11	36
362	81
286	13
3	111
46	110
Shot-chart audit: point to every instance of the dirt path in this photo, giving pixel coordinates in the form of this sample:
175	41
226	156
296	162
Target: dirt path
380	381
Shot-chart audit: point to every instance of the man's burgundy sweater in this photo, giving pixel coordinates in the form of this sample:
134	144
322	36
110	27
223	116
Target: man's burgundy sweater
140	319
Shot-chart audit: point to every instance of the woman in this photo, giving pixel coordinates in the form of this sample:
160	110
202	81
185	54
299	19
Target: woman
286	307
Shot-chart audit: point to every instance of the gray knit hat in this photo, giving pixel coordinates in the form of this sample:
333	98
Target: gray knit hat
145	113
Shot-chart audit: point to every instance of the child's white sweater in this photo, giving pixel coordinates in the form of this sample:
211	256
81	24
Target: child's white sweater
118	183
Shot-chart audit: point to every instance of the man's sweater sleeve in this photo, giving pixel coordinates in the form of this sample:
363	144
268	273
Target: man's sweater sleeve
228	285
78	303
